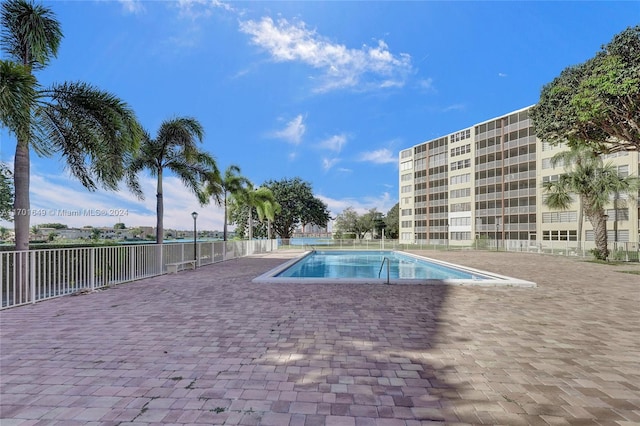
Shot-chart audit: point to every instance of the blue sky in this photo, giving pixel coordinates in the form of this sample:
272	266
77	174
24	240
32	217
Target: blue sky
326	91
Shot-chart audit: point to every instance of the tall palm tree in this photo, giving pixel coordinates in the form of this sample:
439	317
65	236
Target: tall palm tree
175	149
595	183
94	131
232	183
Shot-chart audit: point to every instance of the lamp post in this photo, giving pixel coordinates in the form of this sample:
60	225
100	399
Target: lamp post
194	215
606	217
497	228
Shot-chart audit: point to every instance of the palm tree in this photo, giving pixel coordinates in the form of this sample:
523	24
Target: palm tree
175	149
94	131
232	183
595	183
263	200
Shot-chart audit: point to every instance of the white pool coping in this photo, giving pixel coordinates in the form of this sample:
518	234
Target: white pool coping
496	280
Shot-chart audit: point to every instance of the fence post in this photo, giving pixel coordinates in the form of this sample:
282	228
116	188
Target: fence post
92	268
32	274
132	262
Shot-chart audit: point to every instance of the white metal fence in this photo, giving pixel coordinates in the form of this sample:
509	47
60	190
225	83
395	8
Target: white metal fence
29	277
620	251
35	275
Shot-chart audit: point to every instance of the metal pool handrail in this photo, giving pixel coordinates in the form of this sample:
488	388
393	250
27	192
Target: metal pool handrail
382	265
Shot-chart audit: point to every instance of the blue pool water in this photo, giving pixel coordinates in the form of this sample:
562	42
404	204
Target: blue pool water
368	264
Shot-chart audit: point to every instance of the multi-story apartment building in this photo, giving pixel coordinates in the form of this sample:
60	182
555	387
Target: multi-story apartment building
484	182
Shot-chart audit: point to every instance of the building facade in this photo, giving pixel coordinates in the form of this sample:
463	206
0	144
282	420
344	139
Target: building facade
484	183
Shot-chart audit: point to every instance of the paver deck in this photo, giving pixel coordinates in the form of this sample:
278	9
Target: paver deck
209	347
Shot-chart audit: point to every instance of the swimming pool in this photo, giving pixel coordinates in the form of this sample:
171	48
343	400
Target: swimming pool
379	266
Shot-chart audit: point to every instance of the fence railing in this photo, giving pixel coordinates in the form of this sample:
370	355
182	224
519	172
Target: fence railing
620	251
35	275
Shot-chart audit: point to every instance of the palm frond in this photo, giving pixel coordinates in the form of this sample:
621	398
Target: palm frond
31	33
96	132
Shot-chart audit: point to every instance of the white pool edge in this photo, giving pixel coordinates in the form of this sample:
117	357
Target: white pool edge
270	277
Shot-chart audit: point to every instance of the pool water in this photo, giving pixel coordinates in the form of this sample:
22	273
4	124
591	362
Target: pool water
369	264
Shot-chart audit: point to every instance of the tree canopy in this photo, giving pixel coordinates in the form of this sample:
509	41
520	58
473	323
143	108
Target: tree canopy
392	220
298	206
95	132
596	103
350	222
175	148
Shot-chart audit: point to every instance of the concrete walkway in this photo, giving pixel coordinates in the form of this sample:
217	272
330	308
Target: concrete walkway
209	347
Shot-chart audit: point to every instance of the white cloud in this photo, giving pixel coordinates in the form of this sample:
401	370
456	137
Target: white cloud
501	74
132	6
382	202
454	107
196	9
341	67
334	143
328	163
293	131
62	199
379	156
426	84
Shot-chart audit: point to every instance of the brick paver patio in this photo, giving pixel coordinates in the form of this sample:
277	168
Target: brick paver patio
210	347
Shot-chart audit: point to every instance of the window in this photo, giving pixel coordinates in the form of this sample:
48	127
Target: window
437	160
453	180
406	165
623	171
460	221
458	193
406	153
405	189
405	212
461	207
559	217
405	177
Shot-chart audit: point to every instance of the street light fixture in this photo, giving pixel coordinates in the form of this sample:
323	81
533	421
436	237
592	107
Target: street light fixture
194	215
497	229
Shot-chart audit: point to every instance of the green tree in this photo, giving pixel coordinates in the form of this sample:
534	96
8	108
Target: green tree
596	103
6	193
95	132
297	202
349	221
231	183
175	149
392	220
595	184
119	225
52	225
267	209
261	199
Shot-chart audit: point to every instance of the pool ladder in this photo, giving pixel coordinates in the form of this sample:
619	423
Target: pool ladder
384	259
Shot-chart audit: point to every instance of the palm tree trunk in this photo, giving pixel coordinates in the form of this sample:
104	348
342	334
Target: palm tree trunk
250	224
159	211
600	236
21	205
21	202
580	222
